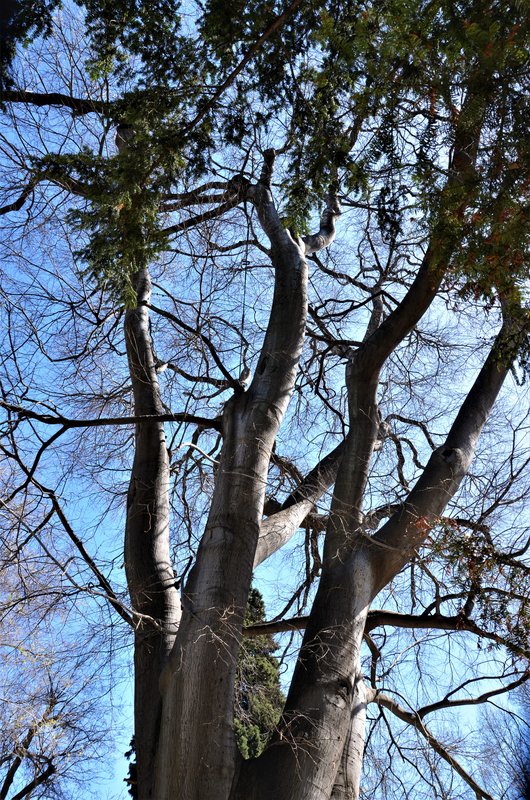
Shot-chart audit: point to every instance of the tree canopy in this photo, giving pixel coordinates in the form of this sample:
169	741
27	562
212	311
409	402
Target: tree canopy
265	297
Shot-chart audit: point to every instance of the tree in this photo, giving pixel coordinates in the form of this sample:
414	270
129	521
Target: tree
164	170
259	700
50	684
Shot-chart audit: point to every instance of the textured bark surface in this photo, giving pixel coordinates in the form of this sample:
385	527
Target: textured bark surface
348	779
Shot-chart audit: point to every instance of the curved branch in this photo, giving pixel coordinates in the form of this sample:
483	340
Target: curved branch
281	526
459	622
326	234
17	204
51	174
472	701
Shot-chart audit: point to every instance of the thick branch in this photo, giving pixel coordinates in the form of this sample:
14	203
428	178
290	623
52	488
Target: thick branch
217	589
213	213
17	204
67	423
77	104
326	234
406	530
379	618
281	526
37	781
278	626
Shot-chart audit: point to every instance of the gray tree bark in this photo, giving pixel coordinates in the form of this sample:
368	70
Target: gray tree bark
348	779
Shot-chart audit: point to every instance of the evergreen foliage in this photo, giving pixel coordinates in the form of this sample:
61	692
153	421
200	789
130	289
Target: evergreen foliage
259	699
376	95
21	21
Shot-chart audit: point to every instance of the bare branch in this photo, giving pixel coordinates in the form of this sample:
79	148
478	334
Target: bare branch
78	105
415	721
406	530
67	423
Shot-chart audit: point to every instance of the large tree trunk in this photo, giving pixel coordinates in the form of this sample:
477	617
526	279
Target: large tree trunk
312	756
197	758
150	577
197	755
